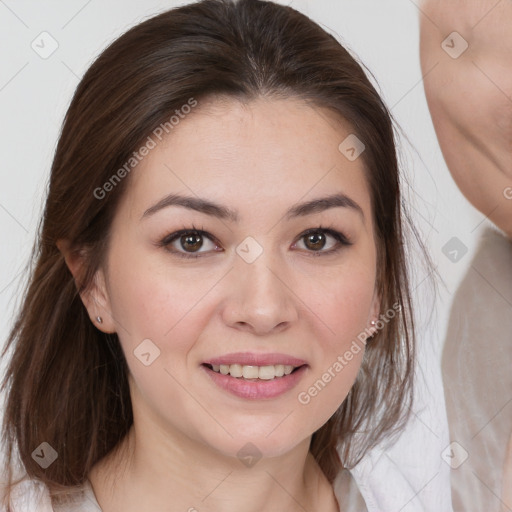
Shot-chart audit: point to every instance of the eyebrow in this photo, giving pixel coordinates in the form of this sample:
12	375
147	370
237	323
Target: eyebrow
223	212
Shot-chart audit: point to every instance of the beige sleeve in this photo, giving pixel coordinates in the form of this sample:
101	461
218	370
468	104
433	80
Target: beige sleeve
506	497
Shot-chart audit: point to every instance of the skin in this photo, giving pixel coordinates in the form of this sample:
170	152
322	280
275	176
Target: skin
259	159
470	99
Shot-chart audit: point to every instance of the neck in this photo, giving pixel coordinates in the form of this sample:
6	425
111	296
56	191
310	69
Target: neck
172	472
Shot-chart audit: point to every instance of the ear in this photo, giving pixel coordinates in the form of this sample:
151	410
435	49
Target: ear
95	298
374	313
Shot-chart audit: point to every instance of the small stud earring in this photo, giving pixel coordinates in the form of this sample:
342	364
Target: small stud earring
373	322
99	319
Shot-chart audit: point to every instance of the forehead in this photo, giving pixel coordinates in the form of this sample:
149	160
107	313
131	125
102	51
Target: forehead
262	153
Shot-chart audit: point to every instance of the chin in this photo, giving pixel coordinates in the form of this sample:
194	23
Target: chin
257	444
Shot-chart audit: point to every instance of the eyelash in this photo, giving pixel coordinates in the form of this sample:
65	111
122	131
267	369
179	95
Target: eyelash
342	240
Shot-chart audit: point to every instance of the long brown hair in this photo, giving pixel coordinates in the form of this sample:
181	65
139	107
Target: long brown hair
67	381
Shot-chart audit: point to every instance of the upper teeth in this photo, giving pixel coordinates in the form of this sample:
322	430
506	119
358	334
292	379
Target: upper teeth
254	372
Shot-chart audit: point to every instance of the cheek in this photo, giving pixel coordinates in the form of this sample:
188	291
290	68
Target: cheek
149	299
345	302
344	308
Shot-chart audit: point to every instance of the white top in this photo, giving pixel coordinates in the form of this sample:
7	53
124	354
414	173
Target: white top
33	495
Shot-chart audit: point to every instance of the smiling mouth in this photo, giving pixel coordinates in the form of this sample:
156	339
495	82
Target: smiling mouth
253	373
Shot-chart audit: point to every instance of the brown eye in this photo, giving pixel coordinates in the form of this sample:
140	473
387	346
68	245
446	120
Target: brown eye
191	242
315	241
320	241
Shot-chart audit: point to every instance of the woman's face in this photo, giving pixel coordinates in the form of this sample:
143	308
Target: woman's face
250	288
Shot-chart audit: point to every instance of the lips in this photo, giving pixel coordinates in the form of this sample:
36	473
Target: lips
255	376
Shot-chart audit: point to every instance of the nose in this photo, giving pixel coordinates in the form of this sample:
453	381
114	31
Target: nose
258	298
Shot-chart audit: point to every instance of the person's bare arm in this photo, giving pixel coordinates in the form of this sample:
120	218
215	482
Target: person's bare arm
470	97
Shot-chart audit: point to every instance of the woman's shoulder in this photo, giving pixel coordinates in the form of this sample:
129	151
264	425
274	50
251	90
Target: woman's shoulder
30	495
26	496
